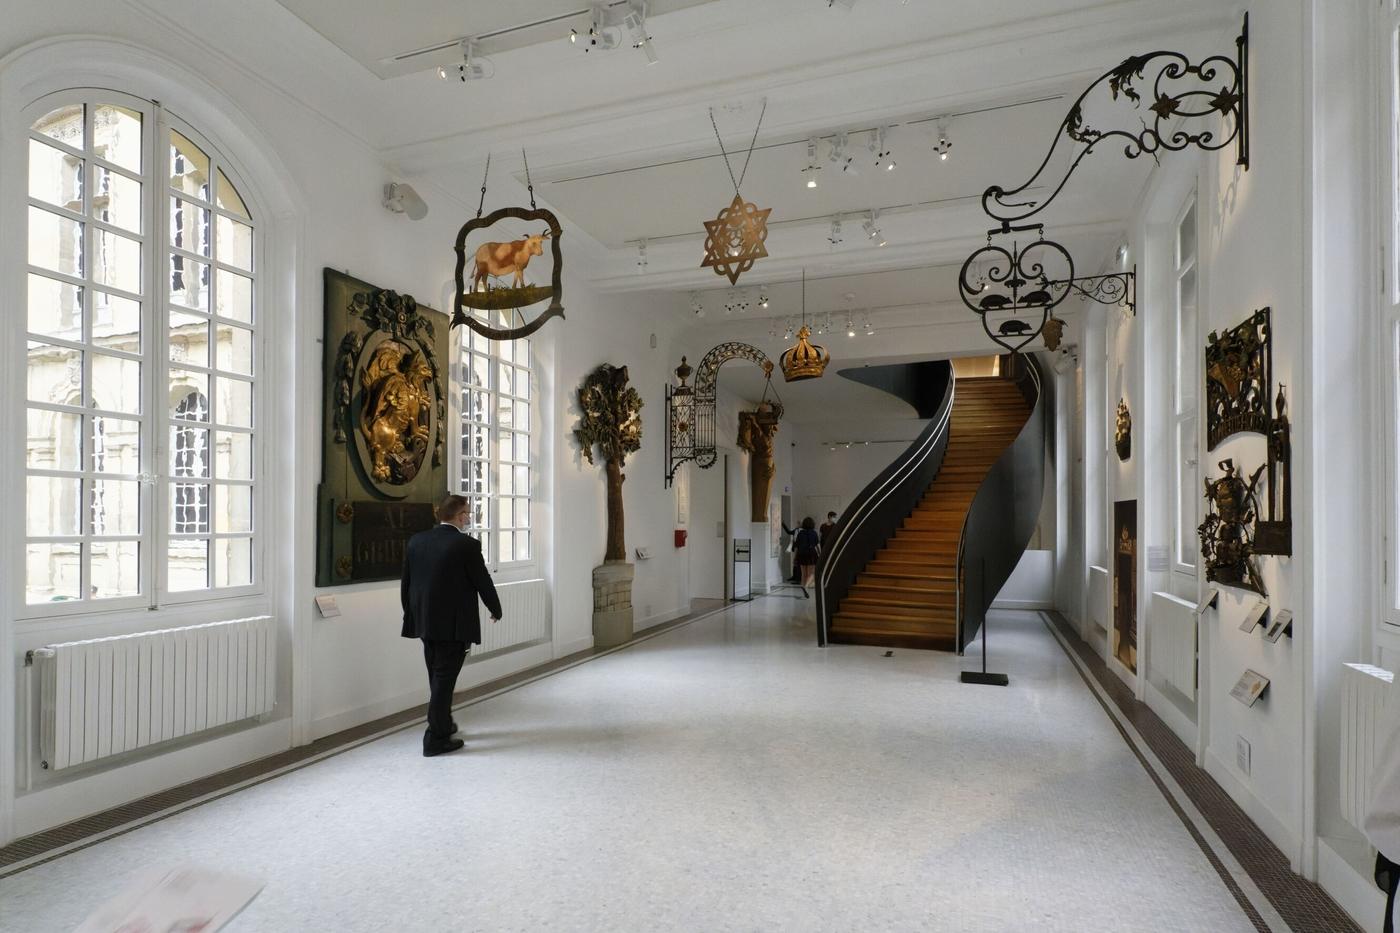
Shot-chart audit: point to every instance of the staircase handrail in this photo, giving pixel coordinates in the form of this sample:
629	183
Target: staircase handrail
1005	510
875	513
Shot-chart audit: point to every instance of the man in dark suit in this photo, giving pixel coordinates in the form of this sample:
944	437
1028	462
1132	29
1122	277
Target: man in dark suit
443	575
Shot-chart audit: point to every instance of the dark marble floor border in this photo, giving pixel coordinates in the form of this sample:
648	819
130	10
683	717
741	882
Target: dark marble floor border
1304	906
30	851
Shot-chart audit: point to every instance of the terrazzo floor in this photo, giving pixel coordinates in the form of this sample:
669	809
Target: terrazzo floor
726	775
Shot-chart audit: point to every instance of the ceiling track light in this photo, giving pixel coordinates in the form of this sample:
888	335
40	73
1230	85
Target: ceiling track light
697	305
606	28
838	156
762	297
473	67
943	146
810	172
641	256
834	236
879	145
872	228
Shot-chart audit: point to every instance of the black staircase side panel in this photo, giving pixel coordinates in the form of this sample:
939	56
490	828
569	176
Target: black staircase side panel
1005	511
875	514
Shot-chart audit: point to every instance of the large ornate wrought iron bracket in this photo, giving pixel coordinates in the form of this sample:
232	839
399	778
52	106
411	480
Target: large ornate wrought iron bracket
690	410
1185	101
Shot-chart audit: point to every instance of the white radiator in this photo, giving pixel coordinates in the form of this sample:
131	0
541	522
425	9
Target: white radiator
524	617
1099	609
106	696
1172	622
1365	690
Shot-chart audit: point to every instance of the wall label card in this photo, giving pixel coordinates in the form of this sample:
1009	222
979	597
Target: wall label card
327	605
1211	598
1250	687
1255	616
1281	623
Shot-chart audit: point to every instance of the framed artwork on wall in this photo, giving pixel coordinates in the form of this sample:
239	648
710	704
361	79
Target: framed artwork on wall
1125	583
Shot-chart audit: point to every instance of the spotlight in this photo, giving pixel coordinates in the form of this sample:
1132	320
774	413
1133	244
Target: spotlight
880	147
834	237
697	307
763	297
810	172
641	256
472	67
872	229
943	146
601	36
838	156
636	24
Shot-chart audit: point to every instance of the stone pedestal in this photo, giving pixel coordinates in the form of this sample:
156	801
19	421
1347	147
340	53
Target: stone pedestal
612	603
764	568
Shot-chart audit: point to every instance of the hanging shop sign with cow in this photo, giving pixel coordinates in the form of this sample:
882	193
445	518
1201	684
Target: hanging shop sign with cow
496	272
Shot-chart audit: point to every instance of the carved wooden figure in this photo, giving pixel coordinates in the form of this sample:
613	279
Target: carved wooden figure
756	432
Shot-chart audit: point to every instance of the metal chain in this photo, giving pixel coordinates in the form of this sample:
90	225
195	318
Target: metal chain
482	203
752	143
528	184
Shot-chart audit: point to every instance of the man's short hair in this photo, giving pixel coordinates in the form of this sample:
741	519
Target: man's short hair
830	514
451	507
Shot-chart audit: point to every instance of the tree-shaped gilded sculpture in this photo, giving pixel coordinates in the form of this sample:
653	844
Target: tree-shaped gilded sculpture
612	421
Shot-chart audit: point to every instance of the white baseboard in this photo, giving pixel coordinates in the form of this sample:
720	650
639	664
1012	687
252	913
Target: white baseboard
1350	886
565	648
659	618
1254	808
62	803
1032	604
474	674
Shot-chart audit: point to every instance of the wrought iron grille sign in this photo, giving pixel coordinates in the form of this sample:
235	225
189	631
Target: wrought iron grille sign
690	410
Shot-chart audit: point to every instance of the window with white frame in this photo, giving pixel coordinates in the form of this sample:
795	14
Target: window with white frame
140	334
1388	36
1185	392
494	468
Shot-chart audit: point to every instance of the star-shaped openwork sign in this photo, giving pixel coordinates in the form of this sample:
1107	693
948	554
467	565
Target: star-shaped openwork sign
734	239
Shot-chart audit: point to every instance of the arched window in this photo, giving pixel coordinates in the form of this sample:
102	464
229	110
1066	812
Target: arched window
142	284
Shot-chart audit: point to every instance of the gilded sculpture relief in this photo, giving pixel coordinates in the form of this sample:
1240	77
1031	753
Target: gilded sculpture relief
1239	365
1227	534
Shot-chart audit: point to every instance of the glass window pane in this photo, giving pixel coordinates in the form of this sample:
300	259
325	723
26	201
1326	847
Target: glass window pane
189	339
55	308
522	512
234	296
189	508
235	398
189	167
187	565
55	243
505	412
54	440
115	507
522	545
505	377
115	445
55	374
116	135
64	124
1186	237
189	395
189	226
522	415
117	262
503	349
505	481
189	283
235	243
233	455
116	569
54	506
116	383
233	510
116	199
522	480
506	547
522	383
116	322
228	198
480	371
234	348
522	448
55	176
52	572
189	451
233	562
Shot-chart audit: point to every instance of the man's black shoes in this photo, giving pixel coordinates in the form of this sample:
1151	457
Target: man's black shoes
451	745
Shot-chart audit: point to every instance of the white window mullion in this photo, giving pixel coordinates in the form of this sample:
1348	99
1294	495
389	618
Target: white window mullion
158	297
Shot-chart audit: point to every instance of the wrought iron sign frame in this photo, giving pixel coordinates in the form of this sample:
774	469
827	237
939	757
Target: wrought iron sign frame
1230	100
1162	70
690	410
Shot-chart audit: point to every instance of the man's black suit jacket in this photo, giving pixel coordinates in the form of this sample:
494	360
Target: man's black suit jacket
443	574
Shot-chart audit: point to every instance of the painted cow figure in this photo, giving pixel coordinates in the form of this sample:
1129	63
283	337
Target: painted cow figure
502	259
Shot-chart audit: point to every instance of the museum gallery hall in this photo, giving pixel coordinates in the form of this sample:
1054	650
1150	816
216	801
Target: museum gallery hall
700	465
